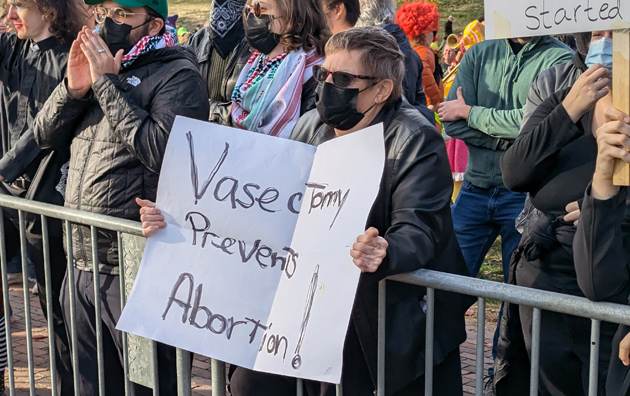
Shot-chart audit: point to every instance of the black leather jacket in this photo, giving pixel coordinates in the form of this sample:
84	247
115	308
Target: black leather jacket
202	46
117	136
412	212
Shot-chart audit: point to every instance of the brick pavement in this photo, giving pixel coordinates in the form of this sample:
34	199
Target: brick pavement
201	382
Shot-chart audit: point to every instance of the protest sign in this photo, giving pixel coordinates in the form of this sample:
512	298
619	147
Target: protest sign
254	266
527	18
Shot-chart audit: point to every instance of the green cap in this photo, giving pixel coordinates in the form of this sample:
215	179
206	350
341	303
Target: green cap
182	31
159	6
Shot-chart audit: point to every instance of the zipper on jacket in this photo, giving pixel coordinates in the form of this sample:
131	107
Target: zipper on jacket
79	228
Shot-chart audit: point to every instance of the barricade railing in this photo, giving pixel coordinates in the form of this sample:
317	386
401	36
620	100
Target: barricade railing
95	221
482	289
432	280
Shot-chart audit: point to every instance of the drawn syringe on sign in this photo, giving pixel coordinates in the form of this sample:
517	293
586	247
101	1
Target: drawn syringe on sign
310	297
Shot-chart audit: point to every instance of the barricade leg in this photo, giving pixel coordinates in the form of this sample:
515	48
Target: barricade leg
183	372
535	355
481	329
97	313
49	303
593	370
380	376
73	309
7	308
218	377
428	347
27	304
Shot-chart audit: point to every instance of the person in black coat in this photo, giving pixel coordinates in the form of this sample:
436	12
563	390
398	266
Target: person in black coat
602	242
448	26
33	62
409	227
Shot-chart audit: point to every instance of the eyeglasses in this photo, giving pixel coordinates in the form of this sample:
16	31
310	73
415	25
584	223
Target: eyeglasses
117	14
20	6
257	10
340	79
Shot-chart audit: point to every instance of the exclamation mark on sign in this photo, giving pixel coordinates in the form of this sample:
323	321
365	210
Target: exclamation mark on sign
310	296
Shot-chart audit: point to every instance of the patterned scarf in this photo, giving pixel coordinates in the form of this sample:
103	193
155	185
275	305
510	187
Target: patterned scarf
267	96
146	44
226	26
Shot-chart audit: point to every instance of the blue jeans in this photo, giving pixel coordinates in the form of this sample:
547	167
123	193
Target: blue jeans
479	216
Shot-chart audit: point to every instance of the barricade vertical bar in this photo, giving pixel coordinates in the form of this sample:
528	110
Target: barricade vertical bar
593	370
97	312
7	308
382	313
428	348
156	377
339	390
49	307
481	328
123	301
183	372
27	304
218	377
535	358
72	292
299	387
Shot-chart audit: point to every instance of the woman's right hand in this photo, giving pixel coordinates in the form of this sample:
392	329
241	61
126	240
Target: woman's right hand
150	216
590	87
613	143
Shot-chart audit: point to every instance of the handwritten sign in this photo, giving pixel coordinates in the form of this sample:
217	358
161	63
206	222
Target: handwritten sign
254	266
527	18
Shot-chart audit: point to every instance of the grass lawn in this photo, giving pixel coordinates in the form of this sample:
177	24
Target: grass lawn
193	12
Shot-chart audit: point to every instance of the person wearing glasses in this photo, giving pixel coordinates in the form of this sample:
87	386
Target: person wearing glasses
409	227
124	88
33	60
276	84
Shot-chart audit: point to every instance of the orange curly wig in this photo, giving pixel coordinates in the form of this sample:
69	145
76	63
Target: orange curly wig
418	18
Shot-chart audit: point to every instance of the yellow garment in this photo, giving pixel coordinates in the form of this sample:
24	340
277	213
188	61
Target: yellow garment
474	33
457	186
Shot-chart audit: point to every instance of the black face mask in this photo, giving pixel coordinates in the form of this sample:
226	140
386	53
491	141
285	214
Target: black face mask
337	107
117	36
258	34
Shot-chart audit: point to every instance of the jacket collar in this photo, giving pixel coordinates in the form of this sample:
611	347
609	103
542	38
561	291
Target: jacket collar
45	44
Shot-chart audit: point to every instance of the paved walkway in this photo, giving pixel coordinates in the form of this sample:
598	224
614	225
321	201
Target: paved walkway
201	366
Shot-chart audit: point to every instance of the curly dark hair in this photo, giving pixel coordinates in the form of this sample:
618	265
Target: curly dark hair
303	24
66	17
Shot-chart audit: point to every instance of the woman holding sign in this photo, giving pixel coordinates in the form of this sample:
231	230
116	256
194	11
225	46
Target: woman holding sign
409	227
553	159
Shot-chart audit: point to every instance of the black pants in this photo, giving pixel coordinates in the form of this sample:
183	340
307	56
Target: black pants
565	343
112	339
63	363
356	379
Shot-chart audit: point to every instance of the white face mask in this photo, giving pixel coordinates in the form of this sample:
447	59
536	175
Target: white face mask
600	51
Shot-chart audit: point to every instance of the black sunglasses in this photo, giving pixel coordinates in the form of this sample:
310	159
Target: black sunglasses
340	79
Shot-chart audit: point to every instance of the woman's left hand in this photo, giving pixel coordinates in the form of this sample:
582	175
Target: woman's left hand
573	213
369	250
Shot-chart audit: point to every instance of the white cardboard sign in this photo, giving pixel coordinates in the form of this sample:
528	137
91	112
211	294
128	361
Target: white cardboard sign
254	266
527	18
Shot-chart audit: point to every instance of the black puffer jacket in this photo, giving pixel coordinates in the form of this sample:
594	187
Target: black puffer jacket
412	212
117	137
29	72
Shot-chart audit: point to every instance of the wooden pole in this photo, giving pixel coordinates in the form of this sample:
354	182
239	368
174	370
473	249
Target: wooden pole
621	91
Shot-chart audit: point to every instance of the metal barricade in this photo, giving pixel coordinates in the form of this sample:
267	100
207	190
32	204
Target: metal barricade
482	289
94	221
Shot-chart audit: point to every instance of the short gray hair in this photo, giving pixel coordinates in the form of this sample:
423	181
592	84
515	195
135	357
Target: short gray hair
380	55
377	12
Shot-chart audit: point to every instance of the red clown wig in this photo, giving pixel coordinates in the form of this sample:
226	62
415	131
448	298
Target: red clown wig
418	18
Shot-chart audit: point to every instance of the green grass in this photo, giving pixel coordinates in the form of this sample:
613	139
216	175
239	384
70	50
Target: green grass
193	12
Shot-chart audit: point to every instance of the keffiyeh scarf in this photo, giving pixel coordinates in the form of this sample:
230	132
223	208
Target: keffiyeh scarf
268	94
146	44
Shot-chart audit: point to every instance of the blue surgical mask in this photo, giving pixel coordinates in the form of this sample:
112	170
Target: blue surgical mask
600	51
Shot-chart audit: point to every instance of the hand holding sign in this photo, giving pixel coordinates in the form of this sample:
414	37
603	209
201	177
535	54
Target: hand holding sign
613	143
587	90
369	250
150	216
